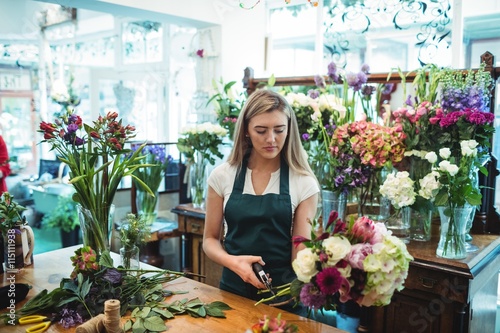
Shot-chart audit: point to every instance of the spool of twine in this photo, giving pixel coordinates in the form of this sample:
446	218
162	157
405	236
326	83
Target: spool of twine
94	325
112	318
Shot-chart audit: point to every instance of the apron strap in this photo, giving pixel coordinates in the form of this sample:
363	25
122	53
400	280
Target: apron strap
239	182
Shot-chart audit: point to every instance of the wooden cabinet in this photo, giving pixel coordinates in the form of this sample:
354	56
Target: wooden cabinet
440	295
443	295
191	224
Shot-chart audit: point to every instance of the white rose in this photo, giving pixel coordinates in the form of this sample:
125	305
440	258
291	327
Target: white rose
431	157
336	248
305	265
445	153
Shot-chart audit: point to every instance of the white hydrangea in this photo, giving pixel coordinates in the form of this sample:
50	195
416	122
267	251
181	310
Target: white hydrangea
399	189
429	185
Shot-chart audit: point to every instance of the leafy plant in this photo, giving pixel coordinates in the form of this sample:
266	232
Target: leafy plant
64	215
10	212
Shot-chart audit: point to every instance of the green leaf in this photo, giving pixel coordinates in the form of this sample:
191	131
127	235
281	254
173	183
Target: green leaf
194	302
128	325
214	312
155	324
106	260
219	305
138	326
143	313
165	313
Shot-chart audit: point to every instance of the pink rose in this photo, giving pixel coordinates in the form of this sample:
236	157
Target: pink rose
358	254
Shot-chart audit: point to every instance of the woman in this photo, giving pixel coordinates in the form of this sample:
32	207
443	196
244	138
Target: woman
4	165
264	194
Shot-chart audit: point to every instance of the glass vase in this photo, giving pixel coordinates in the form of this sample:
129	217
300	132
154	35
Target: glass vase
419	223
474	176
96	226
198	181
147	206
333	201
130	257
371	203
399	225
452	232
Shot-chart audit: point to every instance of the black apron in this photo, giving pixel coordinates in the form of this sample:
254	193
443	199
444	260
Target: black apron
259	225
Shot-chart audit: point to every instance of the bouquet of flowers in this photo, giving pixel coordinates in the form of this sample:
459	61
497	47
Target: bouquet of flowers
95	279
95	156
227	105
203	139
361	261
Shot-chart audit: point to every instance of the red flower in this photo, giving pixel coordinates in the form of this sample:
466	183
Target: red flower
329	280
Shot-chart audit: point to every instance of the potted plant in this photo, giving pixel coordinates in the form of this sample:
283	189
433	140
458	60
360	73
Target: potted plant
65	217
11	223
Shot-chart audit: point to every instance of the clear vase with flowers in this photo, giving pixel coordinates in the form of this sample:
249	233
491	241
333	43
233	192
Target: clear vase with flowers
156	158
455	195
133	234
95	155
199	143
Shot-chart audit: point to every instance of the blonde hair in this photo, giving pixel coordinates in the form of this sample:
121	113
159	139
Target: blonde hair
259	102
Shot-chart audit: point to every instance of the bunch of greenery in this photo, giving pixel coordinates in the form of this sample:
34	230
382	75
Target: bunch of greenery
64	215
134	232
94	281
10	213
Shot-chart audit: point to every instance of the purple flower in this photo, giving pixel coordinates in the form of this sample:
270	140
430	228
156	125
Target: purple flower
70	318
387	88
365	68
332	72
306	136
311	297
72	128
319	81
112	275
313	93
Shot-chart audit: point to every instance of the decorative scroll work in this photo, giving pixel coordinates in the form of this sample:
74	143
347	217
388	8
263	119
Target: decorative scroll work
359	16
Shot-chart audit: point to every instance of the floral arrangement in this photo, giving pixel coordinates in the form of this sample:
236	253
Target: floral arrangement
361	147
10	213
155	161
95	280
203	139
273	325
361	262
450	179
227	104
95	156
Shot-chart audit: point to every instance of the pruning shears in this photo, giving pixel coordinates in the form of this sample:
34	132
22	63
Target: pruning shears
44	323
259	271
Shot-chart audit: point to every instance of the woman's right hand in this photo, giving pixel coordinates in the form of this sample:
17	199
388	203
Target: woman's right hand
242	265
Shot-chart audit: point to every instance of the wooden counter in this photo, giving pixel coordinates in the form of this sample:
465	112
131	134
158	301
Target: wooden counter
50	267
